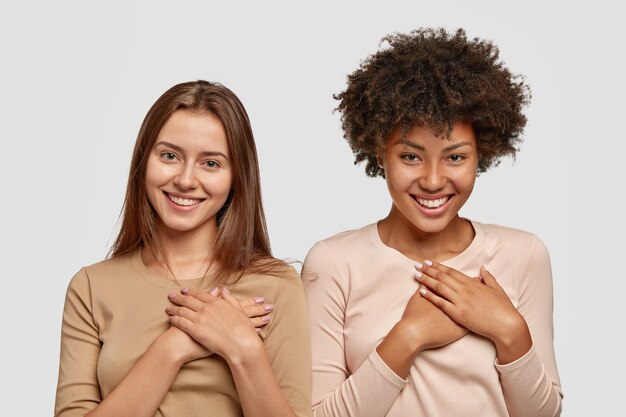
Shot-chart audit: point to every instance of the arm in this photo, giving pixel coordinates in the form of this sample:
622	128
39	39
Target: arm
522	337
142	389
370	390
271	379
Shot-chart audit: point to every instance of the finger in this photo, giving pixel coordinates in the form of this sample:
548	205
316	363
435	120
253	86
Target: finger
250	301
439	282
183	324
257	310
228	297
260	321
202	295
487	278
430	268
180	312
439	302
188	301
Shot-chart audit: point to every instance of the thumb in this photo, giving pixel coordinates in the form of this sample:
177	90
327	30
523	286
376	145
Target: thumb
227	296
487	278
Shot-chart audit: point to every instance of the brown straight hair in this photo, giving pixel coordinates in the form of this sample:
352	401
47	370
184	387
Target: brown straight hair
242	243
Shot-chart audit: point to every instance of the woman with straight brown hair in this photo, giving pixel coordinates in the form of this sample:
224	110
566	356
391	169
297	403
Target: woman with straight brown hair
142	335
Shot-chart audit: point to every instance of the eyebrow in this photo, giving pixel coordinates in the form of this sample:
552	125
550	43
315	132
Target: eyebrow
179	149
422	148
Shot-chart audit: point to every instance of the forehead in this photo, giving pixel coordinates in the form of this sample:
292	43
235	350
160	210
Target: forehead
194	131
427	136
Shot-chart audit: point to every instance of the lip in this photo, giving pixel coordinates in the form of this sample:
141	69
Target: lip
432	212
179	207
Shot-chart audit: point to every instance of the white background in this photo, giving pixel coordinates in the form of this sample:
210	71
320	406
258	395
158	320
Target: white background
77	79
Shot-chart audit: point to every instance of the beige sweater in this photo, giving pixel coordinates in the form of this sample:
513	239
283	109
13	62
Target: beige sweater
116	308
357	289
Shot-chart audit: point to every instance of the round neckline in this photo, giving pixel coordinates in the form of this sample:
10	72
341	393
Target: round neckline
161	281
468	253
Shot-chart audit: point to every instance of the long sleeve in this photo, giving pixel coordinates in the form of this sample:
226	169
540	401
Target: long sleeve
371	389
78	391
288	343
531	384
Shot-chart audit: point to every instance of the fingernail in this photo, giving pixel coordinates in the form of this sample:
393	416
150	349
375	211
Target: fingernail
268	307
214	291
185	291
422	291
171	295
259	300
265	318
225	290
429	263
418	275
167	309
418	265
257	330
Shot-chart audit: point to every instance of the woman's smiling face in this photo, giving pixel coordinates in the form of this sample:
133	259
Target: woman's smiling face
189	174
430	178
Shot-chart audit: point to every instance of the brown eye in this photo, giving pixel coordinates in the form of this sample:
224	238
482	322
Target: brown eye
212	164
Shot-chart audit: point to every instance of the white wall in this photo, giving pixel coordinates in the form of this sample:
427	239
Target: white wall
77	79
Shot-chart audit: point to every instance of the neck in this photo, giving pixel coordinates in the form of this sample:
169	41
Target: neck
397	232
185	255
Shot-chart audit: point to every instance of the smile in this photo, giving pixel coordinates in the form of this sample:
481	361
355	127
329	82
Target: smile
183	201
432	204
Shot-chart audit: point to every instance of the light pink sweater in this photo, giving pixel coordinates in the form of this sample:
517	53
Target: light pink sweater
357	289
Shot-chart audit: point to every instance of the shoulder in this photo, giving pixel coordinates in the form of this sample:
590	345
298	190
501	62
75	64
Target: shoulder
342	243
106	270
521	246
509	236
331	258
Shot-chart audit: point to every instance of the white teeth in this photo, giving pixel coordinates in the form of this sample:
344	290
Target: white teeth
432	203
183	201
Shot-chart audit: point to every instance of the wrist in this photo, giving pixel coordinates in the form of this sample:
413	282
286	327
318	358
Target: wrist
513	341
247	352
165	345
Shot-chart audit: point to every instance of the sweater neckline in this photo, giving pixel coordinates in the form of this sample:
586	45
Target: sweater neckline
460	259
163	282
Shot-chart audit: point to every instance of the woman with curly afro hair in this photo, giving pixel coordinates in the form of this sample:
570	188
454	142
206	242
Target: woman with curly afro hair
426	313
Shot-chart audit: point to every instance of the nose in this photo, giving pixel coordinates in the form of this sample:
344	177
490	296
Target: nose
186	178
433	177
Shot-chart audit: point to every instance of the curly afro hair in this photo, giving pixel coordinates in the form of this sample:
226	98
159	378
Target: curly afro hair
430	77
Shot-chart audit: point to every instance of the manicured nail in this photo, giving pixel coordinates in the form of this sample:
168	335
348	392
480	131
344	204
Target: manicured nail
418	265
225	290
257	330
171	295
418	275
422	291
185	291
214	291
265	318
268	307
429	263
259	300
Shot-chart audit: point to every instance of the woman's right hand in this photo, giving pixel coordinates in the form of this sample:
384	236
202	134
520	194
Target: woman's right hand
422	326
182	347
427	326
257	310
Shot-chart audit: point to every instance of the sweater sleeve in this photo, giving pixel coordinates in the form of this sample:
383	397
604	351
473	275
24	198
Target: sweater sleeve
531	384
370	390
78	390
288	343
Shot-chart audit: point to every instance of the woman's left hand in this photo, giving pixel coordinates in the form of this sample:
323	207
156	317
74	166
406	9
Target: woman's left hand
479	304
216	321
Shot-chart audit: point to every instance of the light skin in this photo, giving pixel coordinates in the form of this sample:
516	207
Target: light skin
188	179
429	179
